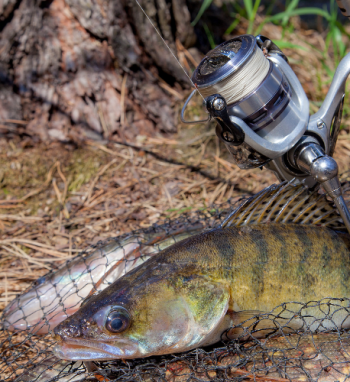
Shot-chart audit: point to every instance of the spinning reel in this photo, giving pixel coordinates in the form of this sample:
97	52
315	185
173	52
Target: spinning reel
262	113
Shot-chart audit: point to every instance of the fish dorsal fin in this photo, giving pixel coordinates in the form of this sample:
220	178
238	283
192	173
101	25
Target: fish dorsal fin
286	203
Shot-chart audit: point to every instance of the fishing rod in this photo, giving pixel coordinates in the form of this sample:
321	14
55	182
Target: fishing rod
262	112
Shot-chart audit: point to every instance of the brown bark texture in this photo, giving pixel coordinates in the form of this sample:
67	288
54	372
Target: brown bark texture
90	69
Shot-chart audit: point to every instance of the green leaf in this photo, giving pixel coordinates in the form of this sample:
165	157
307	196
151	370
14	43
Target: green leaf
205	5
299	12
249	8
341	28
256	7
286	44
293	4
232	26
252	17
209	36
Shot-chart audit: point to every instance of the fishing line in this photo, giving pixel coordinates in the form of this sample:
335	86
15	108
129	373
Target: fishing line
173	54
242	82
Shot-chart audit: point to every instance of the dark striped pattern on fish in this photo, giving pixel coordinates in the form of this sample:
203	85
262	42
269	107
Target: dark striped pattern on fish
187	295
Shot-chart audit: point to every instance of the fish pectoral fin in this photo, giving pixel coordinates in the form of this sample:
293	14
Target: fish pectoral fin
207	301
257	324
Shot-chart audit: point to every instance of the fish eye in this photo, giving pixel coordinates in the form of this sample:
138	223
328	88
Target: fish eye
118	320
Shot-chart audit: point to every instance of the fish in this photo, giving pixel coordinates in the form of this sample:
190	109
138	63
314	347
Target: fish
57	295
281	245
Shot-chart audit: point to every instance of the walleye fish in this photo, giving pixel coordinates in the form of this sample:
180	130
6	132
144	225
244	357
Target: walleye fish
190	293
56	296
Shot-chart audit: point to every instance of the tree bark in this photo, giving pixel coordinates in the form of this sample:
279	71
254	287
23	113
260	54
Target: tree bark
77	69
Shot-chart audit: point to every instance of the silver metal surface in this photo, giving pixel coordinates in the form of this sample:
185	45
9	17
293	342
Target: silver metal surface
323	125
282	173
305	157
224	54
343	210
288	128
291	154
261	96
183	120
331	108
264	108
219	104
324	168
284	131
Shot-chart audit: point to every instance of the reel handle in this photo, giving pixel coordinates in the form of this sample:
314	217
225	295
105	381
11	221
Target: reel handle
310	157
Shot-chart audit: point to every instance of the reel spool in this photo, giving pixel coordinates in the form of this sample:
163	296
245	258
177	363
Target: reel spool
260	106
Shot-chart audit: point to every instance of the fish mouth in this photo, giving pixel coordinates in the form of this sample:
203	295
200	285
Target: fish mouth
87	350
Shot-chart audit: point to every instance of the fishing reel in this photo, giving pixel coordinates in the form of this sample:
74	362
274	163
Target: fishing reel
262	114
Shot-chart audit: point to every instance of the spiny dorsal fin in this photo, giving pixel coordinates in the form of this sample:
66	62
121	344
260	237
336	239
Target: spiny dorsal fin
286	203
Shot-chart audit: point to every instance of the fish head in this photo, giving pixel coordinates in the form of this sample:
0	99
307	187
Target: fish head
150	314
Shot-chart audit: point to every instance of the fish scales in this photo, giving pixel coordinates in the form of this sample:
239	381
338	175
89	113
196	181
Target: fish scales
302	263
317	258
187	295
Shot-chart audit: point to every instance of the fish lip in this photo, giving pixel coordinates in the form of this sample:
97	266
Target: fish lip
102	349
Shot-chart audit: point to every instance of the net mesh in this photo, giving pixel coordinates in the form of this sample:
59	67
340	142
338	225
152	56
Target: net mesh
314	349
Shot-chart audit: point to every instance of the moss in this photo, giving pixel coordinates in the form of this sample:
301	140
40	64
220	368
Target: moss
26	171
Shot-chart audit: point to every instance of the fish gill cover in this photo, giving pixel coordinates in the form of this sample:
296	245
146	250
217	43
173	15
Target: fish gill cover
294	341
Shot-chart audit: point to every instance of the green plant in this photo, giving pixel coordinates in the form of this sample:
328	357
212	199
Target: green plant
209	36
250	8
248	11
334	35
205	5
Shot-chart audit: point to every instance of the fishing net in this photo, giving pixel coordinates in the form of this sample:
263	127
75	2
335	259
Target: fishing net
317	349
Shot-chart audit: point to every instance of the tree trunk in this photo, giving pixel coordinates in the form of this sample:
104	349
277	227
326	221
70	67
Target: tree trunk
76	69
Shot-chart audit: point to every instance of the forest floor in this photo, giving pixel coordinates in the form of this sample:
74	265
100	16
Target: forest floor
56	199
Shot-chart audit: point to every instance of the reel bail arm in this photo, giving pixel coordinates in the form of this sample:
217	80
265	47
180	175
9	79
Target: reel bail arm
230	132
